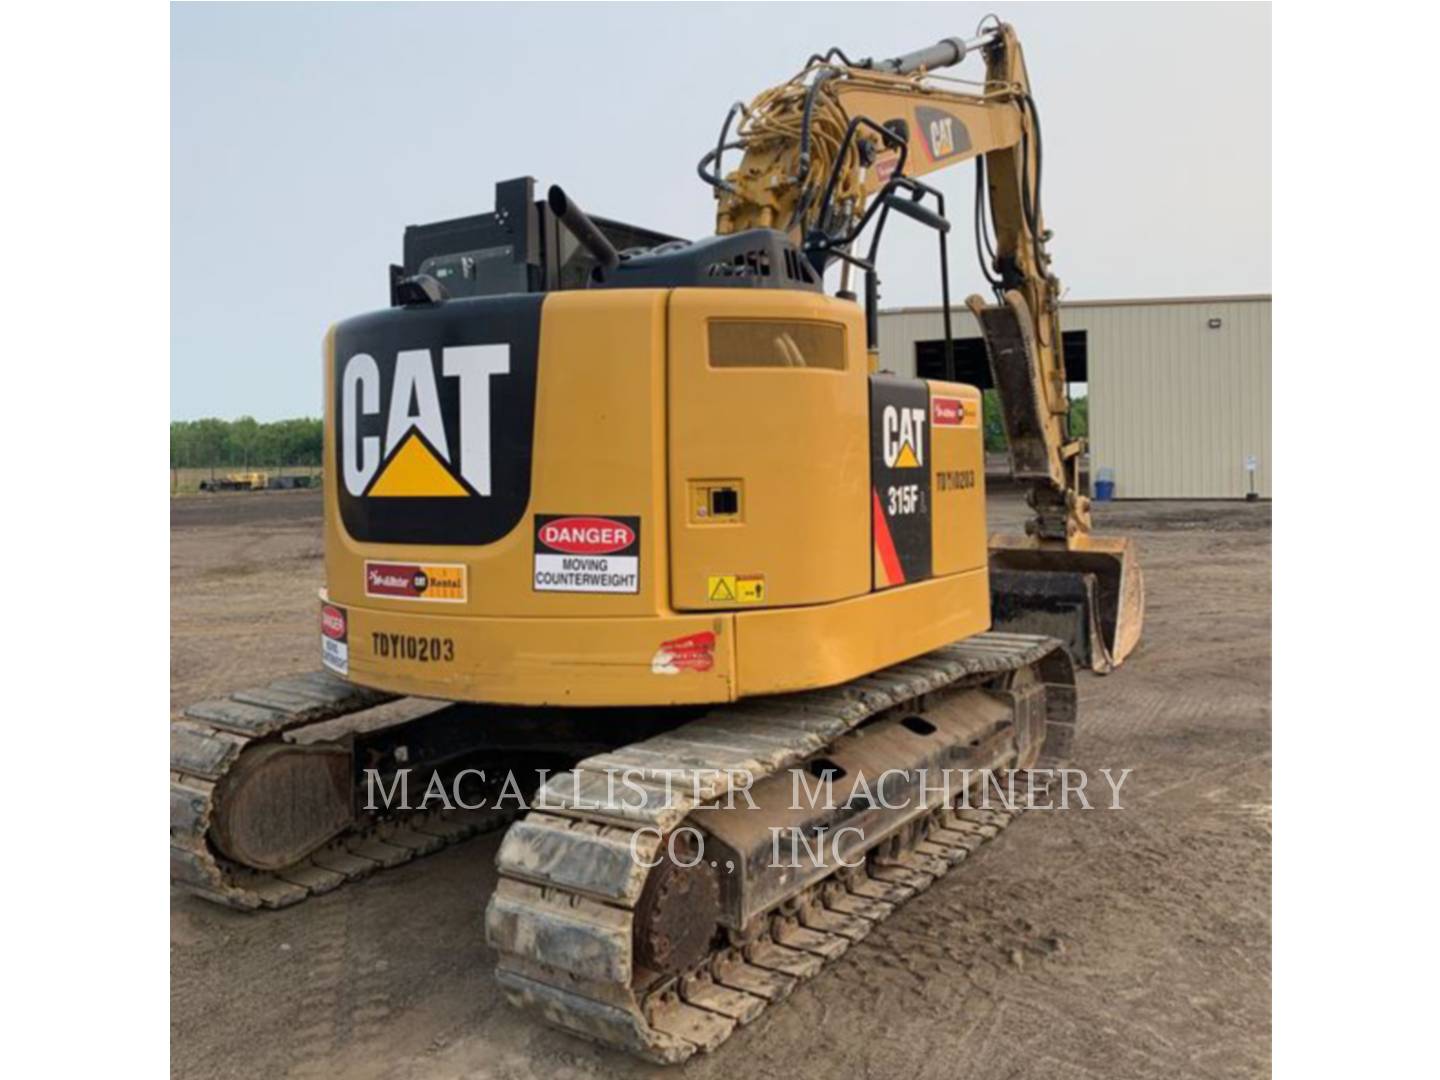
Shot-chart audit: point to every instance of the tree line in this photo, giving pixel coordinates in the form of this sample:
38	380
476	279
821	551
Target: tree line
245	443
995	430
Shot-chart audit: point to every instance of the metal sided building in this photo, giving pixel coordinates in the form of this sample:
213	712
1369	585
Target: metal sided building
1179	389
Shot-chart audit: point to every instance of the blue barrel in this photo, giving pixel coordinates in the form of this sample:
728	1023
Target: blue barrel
1105	485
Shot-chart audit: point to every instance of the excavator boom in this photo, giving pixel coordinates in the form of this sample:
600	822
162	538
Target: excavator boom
821	151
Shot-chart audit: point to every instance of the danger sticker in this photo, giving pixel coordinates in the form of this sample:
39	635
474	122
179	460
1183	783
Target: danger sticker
442	582
587	553
694	652
947	412
334	639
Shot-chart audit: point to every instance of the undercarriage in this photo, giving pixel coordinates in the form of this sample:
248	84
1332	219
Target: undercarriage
679	870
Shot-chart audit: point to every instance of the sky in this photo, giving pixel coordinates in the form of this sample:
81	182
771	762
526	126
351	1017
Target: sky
304	138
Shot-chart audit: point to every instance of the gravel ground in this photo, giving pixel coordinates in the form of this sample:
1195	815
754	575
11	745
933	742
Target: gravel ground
1105	944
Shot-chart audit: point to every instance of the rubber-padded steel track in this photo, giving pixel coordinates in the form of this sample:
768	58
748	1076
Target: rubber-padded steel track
206	744
563	916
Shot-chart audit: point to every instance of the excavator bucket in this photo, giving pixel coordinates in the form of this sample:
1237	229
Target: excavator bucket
1090	595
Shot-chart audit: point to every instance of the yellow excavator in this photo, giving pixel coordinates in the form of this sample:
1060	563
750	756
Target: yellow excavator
647	515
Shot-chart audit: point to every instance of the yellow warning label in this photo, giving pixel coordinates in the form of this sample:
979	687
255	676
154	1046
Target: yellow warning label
736	588
721	588
414	471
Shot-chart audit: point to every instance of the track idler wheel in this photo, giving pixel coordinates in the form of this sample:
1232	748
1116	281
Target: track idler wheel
282	801
679	911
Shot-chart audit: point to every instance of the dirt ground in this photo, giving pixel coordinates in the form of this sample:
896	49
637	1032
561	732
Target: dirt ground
1105	944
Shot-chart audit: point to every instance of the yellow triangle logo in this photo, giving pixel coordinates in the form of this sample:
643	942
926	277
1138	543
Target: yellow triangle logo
414	472
906	458
722	588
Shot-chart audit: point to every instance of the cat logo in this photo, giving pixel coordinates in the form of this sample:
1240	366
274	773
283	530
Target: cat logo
428	449
944	134
903	443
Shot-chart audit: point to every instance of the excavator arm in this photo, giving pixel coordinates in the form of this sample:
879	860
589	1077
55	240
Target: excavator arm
822	152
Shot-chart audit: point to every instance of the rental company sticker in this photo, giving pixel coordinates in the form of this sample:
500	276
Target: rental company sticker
587	554
334	639
947	411
694	652
442	582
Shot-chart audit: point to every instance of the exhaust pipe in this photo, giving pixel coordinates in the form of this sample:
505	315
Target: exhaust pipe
585	230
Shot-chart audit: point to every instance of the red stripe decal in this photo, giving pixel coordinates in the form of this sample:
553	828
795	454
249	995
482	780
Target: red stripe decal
889	559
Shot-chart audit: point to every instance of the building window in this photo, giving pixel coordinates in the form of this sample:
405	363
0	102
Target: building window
973	367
